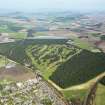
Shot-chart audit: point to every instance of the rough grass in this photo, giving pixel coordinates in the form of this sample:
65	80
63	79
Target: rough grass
100	95
75	94
81	94
47	58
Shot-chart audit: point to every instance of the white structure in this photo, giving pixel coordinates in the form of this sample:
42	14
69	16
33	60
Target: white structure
4	37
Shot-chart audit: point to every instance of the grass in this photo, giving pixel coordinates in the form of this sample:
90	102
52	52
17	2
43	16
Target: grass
100	95
55	60
75	94
2	61
39	34
4	29
65	66
18	35
82	44
48	57
81	94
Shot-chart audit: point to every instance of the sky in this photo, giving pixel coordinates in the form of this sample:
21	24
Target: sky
53	5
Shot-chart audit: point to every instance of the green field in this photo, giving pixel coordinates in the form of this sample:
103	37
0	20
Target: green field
82	44
64	66
2	61
75	94
100	95
18	35
82	93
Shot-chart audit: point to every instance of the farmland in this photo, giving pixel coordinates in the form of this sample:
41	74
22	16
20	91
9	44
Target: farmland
59	64
63	52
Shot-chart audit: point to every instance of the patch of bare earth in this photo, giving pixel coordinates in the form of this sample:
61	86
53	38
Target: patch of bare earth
17	73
